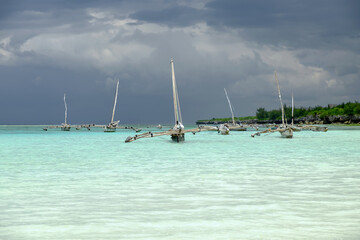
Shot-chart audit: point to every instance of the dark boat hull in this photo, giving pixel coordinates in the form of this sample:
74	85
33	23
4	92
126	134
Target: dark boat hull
110	129
65	128
178	137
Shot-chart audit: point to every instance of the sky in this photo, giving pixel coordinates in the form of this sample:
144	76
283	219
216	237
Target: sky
82	48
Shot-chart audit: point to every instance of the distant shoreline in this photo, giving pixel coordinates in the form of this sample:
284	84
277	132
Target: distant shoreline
337	119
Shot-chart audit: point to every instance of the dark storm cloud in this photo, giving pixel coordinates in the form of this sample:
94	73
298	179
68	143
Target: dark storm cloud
294	23
82	48
175	16
260	14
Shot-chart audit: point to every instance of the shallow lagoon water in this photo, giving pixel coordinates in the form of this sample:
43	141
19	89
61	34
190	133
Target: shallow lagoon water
92	185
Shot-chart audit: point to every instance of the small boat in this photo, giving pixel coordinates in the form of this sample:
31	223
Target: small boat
209	128
224	129
237	128
180	136
233	126
111	127
284	129
315	128
286	132
177	133
65	126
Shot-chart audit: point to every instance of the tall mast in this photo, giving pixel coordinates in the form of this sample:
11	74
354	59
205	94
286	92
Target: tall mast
175	96
65	108
281	103
292	108
232	113
116	95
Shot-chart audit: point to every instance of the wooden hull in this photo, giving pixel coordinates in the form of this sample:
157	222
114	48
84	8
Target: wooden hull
286	133
109	129
296	129
319	129
209	128
178	137
65	128
237	129
224	132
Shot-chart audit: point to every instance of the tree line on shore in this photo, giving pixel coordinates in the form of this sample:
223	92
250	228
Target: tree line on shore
322	113
349	109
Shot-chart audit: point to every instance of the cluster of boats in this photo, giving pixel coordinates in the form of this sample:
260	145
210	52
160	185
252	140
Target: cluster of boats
111	127
177	132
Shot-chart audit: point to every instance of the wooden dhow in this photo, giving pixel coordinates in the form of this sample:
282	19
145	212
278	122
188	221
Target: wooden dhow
179	136
65	126
111	127
114	125
177	133
284	130
233	126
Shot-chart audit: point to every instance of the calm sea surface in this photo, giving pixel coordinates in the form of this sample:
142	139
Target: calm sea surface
92	185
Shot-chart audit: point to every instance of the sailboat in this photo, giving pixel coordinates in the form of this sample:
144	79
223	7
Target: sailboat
65	126
177	132
111	127
285	131
180	136
234	126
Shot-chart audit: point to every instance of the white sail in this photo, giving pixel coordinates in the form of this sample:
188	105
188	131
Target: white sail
65	108
281	103
116	95
177	111
231	109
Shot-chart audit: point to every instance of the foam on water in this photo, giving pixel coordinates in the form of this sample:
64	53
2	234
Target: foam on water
92	185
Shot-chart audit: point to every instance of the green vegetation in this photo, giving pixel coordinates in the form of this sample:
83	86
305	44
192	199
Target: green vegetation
349	109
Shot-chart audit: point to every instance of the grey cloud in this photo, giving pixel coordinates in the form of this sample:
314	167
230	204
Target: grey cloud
208	57
174	16
292	23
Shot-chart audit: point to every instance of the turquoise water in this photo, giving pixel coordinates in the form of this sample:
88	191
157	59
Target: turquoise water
92	185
